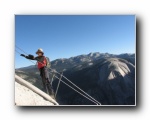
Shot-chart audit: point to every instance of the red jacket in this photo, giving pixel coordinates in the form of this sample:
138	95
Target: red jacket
42	63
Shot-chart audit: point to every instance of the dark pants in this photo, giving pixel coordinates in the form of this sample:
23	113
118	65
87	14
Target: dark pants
46	81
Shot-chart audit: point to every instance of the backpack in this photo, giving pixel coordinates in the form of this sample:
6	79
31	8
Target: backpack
48	63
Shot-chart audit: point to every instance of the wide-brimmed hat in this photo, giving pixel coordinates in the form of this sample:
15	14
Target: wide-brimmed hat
39	51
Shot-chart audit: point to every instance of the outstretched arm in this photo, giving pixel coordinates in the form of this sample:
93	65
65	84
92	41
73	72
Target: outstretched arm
31	57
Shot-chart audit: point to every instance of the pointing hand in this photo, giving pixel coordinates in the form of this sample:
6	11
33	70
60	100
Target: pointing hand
22	55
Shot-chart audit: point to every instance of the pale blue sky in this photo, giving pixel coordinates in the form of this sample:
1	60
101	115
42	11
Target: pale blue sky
64	36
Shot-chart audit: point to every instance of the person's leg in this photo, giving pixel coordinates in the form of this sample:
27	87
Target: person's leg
48	83
43	79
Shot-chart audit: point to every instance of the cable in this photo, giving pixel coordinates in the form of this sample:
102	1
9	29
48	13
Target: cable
69	81
28	59
71	87
66	79
95	101
17	52
21	50
79	88
58	85
76	91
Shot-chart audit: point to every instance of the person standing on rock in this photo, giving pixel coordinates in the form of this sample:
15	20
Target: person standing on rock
42	63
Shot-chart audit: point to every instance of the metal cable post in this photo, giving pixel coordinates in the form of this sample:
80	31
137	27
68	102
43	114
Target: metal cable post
58	84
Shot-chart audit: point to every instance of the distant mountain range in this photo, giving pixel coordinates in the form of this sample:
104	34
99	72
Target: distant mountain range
107	77
64	63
